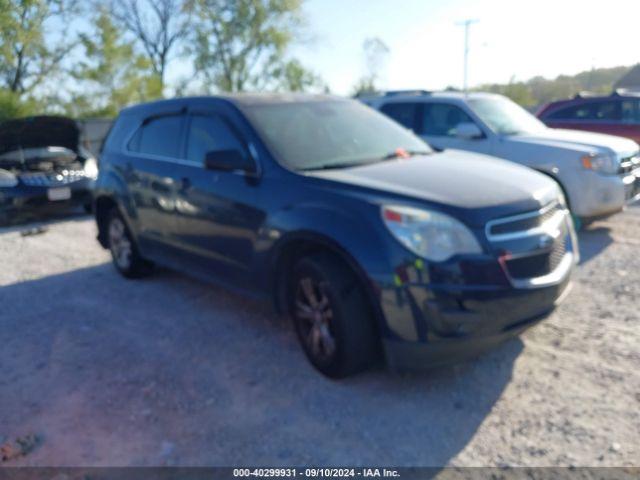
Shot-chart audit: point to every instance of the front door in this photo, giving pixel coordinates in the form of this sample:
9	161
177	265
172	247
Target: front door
437	126
217	213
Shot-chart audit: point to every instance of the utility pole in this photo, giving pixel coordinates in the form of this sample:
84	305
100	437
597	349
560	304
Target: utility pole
466	24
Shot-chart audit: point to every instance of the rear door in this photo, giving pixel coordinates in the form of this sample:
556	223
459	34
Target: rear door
405	113
154	151
217	213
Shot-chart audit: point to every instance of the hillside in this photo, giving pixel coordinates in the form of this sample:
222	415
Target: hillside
539	90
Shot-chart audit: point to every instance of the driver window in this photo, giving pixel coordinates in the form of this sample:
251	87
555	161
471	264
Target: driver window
208	133
441	119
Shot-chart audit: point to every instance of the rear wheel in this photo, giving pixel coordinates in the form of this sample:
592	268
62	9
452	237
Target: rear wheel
332	316
124	251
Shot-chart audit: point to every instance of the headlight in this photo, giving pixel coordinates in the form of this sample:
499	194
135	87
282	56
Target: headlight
601	162
7	179
432	235
91	168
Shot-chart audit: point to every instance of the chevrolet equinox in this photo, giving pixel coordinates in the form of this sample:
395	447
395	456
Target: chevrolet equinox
372	242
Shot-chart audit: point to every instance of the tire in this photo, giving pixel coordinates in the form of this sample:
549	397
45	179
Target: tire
332	316
124	252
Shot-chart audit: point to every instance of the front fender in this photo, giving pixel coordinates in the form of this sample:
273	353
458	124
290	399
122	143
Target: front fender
357	233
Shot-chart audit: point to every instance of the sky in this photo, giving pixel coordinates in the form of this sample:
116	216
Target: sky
517	38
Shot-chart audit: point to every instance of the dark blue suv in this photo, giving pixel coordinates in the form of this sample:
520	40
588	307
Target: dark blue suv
373	243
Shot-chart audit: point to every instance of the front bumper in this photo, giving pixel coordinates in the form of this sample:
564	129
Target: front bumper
25	201
442	312
605	195
482	321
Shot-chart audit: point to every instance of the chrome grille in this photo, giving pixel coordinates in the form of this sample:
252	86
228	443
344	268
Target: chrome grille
629	164
538	265
41	179
536	247
526	222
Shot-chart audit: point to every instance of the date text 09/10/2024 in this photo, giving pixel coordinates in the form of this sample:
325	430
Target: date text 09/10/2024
316	472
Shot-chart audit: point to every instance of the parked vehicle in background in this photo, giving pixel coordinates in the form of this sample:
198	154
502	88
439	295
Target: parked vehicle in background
357	229
615	114
43	167
599	174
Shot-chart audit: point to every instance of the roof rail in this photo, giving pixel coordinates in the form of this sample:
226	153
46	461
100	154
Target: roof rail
618	92
393	93
586	94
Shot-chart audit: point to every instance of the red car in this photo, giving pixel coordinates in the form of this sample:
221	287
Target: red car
616	114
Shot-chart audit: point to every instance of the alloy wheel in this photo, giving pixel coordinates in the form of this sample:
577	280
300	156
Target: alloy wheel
314	314
120	244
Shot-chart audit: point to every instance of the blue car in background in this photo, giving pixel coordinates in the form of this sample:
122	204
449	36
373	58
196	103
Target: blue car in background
373	243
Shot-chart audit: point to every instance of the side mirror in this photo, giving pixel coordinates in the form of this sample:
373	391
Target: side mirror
228	161
468	131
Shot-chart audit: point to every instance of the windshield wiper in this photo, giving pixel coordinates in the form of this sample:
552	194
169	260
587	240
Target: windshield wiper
337	165
359	163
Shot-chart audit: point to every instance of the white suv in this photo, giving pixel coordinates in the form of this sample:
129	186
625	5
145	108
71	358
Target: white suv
599	174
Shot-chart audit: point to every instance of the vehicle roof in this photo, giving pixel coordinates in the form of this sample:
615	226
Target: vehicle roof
424	95
586	97
238	99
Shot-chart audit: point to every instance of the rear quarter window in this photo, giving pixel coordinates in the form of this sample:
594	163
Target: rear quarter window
118	134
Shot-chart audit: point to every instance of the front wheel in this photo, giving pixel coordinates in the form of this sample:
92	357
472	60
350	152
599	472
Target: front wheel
124	251
332	316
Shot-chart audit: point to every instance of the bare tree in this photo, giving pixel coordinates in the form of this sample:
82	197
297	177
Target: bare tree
158	26
375	56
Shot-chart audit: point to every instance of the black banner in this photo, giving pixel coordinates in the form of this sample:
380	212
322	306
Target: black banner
224	473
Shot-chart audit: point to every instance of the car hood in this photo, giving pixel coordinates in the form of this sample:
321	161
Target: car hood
38	132
577	140
477	188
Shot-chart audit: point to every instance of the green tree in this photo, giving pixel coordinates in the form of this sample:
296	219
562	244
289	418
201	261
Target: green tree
27	58
12	106
519	92
539	90
242	44
113	74
294	77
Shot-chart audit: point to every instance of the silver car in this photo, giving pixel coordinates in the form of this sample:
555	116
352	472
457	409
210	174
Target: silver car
599	174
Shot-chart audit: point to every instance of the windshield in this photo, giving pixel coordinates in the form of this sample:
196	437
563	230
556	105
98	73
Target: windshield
504	116
331	134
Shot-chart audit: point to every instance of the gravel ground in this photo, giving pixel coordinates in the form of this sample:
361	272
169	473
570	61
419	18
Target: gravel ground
171	371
